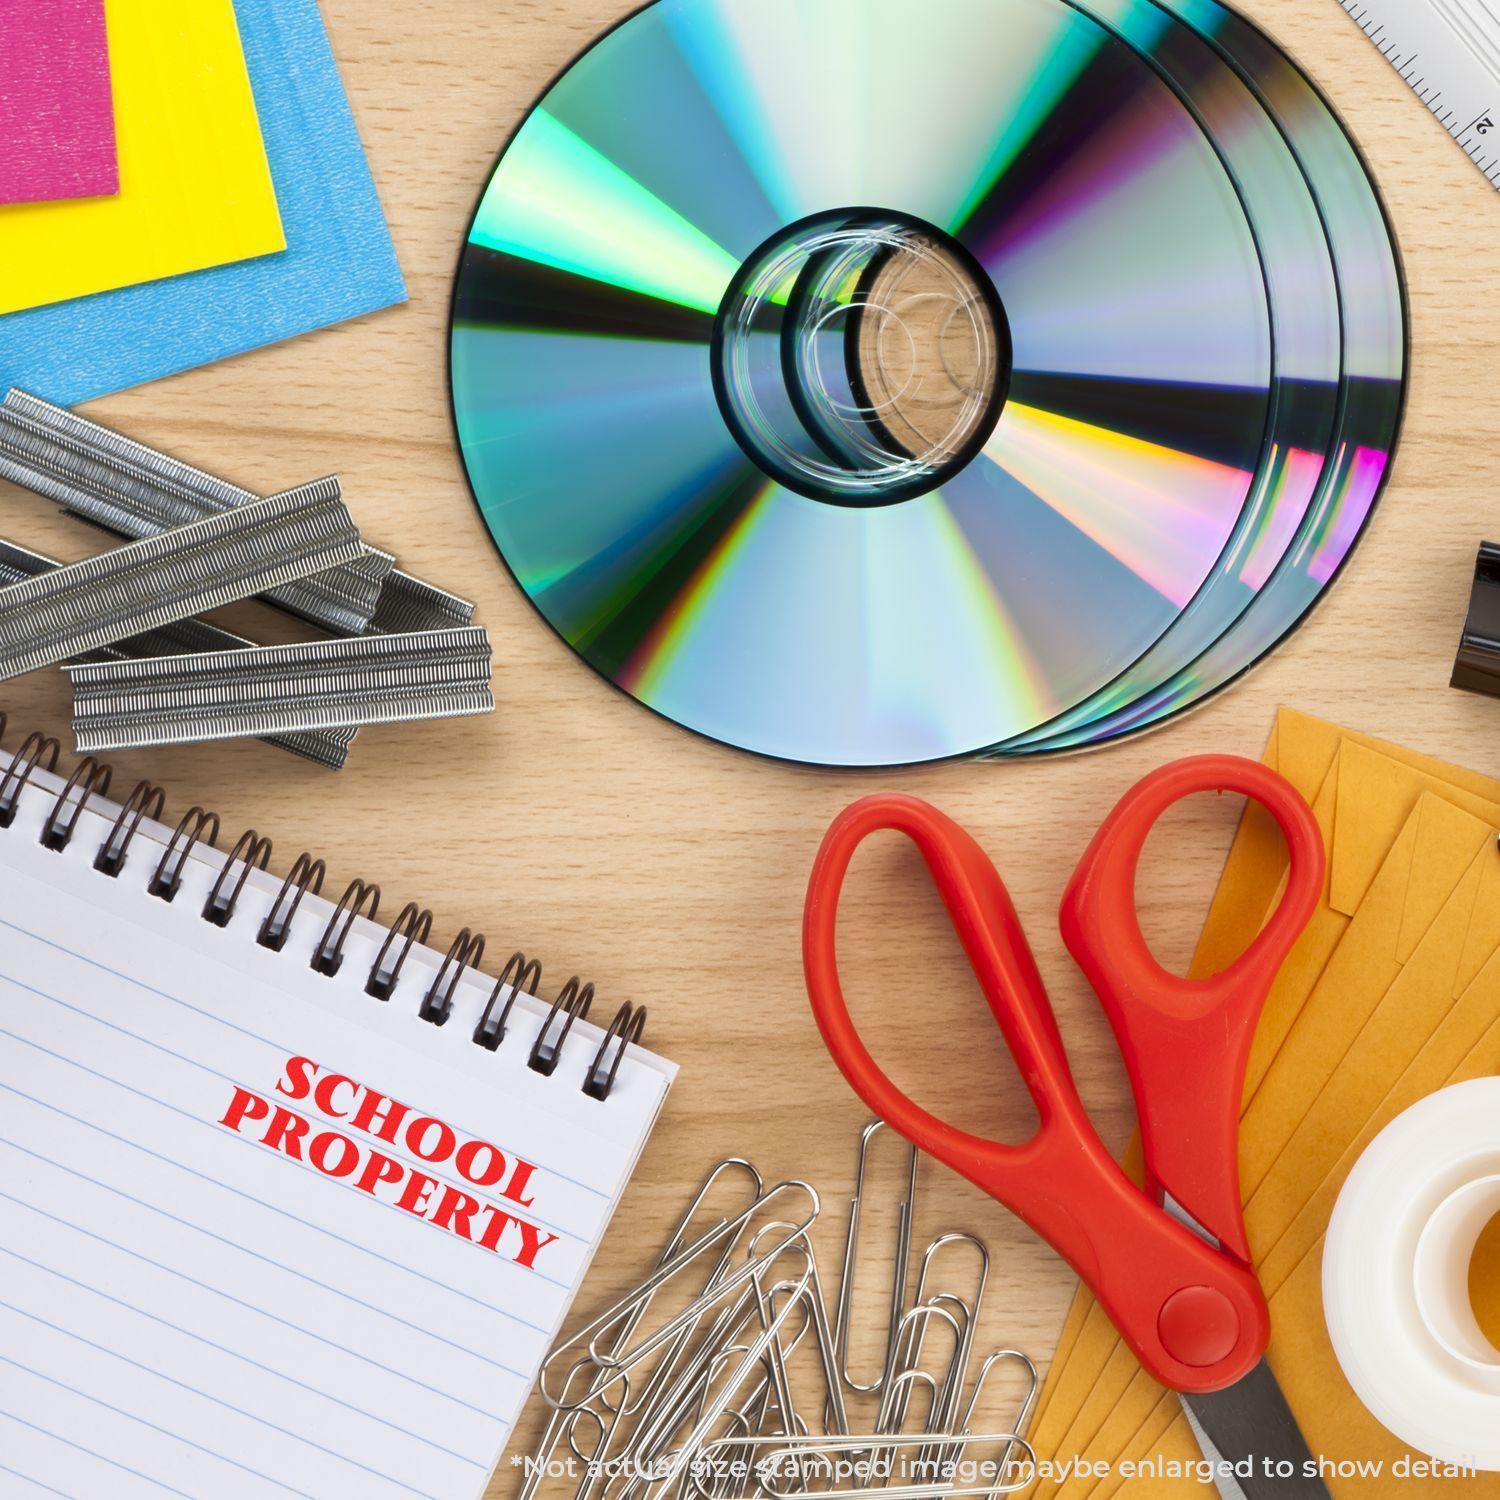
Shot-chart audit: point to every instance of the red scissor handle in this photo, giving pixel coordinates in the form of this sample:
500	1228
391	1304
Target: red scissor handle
1194	1317
1186	1041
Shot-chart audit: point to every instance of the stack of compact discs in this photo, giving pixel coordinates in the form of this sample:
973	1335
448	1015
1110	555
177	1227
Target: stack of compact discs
867	382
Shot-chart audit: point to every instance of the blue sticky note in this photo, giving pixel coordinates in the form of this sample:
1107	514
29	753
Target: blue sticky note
339	261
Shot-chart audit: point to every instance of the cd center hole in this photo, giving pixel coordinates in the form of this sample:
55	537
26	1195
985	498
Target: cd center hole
927	352
862	358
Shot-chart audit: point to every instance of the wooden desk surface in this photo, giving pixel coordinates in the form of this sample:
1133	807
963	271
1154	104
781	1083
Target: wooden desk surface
671	870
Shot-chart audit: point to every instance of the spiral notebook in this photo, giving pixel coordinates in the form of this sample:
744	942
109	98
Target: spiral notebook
290	1204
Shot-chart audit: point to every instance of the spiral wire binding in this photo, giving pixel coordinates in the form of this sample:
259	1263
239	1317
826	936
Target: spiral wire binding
146	801
18	773
305	875
412	926
57	834
571	1005
519	973
91	778
251	853
167	875
466	951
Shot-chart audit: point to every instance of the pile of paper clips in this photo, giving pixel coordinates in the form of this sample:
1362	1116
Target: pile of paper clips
724	1376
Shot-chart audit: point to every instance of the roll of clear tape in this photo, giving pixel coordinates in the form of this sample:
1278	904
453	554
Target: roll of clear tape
1396	1260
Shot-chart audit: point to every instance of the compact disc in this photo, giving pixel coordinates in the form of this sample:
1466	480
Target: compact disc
868	382
1372	391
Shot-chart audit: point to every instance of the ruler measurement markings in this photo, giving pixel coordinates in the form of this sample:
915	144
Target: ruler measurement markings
1454	73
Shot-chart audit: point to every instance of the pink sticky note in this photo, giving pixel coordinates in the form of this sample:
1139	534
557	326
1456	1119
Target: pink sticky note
57	124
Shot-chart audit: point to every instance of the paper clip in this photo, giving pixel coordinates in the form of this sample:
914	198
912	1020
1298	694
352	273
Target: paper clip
219	695
627	1325
906	1350
133	589
674	1244
712	1403
968	1316
835	1416
328	747
563	1425
747	1361
1028	1400
618	1363
134	492
905	1211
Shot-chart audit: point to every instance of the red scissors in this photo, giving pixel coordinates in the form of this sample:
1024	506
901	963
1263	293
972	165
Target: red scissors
1170	1264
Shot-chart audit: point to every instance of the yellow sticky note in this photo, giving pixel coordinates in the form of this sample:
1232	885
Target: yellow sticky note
195	186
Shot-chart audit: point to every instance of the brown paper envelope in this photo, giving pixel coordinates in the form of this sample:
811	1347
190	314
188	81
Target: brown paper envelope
1334	1421
1077	1312
1082	1388
1464	1043
1102	1395
1450	1049
1309	955
1375	796
1303	752
1088	1374
1436	850
1303	749
1437	839
1302	740
1411	1011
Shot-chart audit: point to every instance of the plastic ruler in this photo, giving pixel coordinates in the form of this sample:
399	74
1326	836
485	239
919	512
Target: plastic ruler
1448	52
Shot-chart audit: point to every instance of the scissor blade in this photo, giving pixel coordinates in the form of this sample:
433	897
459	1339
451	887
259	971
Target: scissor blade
1250	1431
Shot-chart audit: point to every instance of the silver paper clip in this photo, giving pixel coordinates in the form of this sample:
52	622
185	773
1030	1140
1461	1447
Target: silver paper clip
328	747
934	1482
219	695
709	1401
174	575
905	1210
620	1362
560	1419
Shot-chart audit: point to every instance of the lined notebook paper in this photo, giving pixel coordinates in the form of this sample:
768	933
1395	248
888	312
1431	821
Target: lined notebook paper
260	1233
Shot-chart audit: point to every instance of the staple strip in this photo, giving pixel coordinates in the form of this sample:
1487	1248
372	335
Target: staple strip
130	590
328	747
134	491
408	604
373	679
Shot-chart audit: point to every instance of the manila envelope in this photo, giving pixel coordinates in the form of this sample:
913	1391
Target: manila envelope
1288	1212
1465	1044
1360	813
1436	850
1356	779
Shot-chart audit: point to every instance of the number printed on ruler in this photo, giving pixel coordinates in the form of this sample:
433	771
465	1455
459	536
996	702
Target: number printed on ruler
1448	51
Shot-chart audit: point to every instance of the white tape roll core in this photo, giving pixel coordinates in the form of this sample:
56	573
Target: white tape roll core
1396	1275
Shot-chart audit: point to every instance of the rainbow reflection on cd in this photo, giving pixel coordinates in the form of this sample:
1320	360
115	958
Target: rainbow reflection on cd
1372	393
